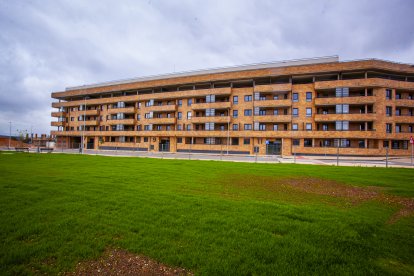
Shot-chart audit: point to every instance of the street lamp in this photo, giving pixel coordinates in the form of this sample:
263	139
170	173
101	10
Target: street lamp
10	134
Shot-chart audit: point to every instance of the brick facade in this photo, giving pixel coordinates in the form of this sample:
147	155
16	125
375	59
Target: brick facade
360	107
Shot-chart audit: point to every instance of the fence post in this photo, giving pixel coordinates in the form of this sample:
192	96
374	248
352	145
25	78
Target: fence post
337	156
386	157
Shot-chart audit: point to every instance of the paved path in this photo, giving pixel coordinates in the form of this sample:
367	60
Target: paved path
404	162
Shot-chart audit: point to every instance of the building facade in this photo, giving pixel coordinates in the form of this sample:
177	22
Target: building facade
310	106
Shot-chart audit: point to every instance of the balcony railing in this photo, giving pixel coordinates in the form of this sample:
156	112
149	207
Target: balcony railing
210	119
344	100
215	105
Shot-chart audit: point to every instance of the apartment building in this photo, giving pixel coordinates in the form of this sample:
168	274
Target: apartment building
308	106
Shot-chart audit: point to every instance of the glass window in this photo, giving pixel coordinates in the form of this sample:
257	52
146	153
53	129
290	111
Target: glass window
235	99
275	127
295	112
388	94
188	127
388	110
308	126
247	112
235	113
246	141
295	97
189	102
308	96
179	115
308	112
388	128
235	127
189	115
247	126
180	102
179	140
296	142
307	142
294	126
248	98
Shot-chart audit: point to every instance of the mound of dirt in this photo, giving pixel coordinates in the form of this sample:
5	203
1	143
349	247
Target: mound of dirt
121	262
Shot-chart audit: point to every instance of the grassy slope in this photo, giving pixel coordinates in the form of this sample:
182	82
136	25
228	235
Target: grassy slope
59	209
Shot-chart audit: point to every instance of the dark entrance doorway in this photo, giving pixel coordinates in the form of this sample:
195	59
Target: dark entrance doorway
90	143
273	147
75	142
164	144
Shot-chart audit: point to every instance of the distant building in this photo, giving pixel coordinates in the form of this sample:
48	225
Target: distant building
310	106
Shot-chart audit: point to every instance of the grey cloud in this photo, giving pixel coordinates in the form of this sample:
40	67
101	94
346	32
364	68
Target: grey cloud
48	45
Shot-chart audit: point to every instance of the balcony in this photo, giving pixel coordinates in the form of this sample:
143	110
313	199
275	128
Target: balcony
85	112
404	103
345	117
273	103
283	87
403	119
210	119
86	123
371	82
57	124
345	100
121	122
161	108
162	121
215	105
58	114
273	118
127	110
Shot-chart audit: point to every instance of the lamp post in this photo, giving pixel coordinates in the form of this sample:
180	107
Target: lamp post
84	124
10	123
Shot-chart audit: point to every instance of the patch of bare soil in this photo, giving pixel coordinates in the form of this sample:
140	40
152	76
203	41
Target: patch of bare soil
312	185
121	262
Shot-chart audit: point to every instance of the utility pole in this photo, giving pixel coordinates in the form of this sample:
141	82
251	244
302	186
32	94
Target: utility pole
10	134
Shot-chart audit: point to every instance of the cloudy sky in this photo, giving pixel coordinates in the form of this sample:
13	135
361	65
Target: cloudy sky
47	45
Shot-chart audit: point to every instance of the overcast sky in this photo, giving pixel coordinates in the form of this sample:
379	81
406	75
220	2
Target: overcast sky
47	45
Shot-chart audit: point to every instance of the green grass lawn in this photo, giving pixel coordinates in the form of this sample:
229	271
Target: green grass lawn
215	218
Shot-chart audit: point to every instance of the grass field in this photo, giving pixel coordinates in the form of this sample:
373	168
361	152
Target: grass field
215	218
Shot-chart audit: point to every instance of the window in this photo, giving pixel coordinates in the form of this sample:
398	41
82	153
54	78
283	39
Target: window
179	127
180	102
148	127
275	127
247	126
209	126
179	140
138	117
145	139
308	96
72	119
388	128
275	112
235	113
235	99
294	126
388	111
246	141
385	144
149	103
342	125
397	128
397	96
295	112
276	97
248	98
342	92
296	142
388	94
188	127
235	127
262	127
159	128
179	115
247	112
295	97
397	112
235	141
189	102
308	112
308	126
307	143
189	115
342	108
138	127
324	127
